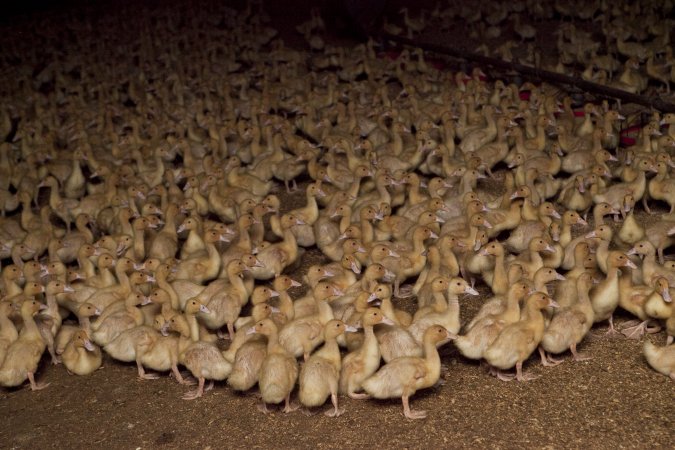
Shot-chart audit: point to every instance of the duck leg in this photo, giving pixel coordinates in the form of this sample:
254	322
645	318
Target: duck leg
191	395
35	386
578	356
335	412
409	413
141	370
179	377
520	376
288	408
548	360
639	330
262	407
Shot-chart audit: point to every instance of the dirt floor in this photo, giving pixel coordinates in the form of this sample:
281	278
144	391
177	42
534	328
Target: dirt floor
614	400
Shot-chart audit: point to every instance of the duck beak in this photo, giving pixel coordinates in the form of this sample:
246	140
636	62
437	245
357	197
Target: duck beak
387	321
631	264
388	275
258	263
356	269
471	291
549	249
582	222
295	283
393	254
273	293
482	252
275	310
165	329
592	234
204	309
68	288
553	304
88	345
250	331
433	235
97	312
487	224
43	307
350	329
560	277
150	279
632	251
666	295
372	298
146	301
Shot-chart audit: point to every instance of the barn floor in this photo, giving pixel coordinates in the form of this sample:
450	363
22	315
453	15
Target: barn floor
614	400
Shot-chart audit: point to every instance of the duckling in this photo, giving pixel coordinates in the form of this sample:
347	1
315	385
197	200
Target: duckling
661	359
81	356
202	359
8	332
23	355
225	305
162	353
402	377
276	257
320	374
116	319
569	325
485	330
518	340
446	315
247	351
84	313
303	334
198	268
49	322
364	361
605	296
631	231
279	370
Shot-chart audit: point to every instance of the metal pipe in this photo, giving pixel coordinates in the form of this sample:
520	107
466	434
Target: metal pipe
533	72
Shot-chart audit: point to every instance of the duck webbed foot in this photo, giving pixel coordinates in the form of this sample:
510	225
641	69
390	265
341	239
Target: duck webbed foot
576	356
288	406
191	395
409	413
262	407
548	360
335	411
358	395
405	291
521	376
639	330
35	386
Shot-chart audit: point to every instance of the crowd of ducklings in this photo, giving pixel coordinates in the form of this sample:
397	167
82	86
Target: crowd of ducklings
621	44
142	196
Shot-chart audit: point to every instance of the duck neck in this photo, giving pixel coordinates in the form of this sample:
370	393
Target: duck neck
238	286
286	305
162	283
367	232
387	308
30	328
86	266
433	361
194	327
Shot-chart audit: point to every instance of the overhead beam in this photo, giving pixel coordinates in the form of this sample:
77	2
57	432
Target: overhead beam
536	73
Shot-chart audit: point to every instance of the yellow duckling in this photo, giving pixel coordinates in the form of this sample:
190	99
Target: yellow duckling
569	325
279	370
485	330
518	340
23	355
320	374
661	359
402	377
364	361
81	356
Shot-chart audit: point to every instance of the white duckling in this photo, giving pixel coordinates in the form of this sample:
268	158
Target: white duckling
203	359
